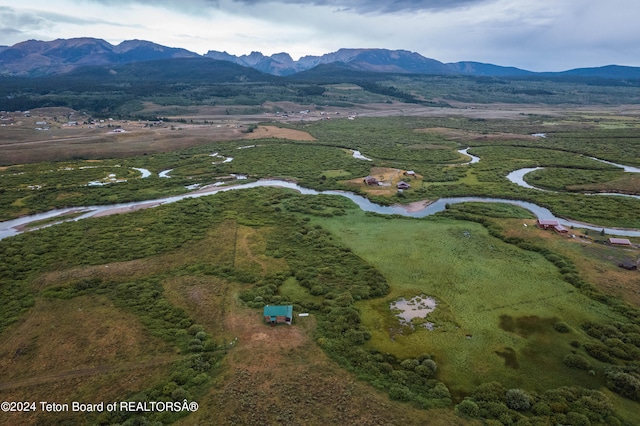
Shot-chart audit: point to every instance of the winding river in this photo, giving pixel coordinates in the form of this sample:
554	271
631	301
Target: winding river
517	177
14	227
473	160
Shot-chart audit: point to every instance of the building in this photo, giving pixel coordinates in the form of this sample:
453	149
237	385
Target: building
619	241
560	229
547	224
278	314
403	185
370	180
410	173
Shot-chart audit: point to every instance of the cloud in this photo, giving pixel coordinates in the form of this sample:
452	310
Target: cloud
377	6
23	24
14	23
546	35
358	6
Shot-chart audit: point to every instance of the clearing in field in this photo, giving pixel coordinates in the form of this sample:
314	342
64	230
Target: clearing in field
388	179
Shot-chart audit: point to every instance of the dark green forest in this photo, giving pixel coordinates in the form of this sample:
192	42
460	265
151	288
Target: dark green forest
120	91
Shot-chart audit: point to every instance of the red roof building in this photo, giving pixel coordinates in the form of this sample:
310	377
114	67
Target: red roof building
619	241
560	229
546	224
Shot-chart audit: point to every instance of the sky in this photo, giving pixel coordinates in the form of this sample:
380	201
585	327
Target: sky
537	35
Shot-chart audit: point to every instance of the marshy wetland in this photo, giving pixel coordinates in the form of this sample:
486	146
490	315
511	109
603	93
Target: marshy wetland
513	324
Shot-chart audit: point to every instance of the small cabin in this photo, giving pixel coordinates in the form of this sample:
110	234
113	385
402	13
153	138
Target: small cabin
370	180
410	173
403	185
560	229
278	314
619	241
547	224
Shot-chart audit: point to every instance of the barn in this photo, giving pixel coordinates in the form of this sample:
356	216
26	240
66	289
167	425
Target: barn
370	180
560	229
619	241
278	314
546	224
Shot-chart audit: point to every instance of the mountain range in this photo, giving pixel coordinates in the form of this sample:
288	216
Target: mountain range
40	58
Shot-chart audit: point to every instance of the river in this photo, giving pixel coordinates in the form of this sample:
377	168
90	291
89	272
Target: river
13	227
517	177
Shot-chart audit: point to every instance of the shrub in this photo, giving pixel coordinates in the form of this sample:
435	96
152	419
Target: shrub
577	419
431	365
318	290
424	371
598	351
492	391
576	361
409	364
624	382
562	327
541	409
518	399
400	393
467	408
495	409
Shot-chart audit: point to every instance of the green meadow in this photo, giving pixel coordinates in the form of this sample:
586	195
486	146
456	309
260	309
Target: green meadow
497	304
530	327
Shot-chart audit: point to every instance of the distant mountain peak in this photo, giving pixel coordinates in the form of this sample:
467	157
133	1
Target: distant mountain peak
34	58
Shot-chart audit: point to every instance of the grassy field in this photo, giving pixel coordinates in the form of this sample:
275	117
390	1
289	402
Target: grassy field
165	303
93	325
496	304
597	262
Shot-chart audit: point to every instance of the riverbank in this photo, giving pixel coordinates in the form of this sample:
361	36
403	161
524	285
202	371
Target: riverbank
417	210
416	206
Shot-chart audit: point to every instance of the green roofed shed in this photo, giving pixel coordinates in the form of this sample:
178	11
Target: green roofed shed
278	314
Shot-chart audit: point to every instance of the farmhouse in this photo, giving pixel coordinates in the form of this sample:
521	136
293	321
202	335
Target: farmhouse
619	241
403	185
560	229
370	180
410	173
547	224
278	314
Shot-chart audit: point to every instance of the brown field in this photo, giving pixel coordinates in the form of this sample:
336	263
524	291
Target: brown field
20	142
278	375
63	144
80	349
262	132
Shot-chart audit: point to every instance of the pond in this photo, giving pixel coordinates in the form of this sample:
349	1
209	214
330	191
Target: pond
417	307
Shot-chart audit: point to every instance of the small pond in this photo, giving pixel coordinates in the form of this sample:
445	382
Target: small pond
416	307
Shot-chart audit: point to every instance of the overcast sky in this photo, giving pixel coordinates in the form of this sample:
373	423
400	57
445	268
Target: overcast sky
538	35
